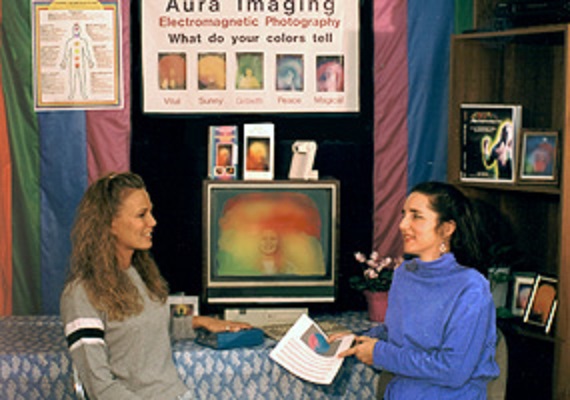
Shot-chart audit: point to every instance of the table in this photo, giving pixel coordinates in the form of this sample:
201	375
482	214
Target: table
35	364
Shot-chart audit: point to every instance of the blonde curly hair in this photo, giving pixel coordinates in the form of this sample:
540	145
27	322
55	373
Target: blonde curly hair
94	260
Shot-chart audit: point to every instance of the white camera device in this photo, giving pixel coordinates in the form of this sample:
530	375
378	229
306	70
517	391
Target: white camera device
304	152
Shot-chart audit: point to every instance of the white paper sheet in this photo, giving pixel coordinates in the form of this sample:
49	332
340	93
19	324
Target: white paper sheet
305	352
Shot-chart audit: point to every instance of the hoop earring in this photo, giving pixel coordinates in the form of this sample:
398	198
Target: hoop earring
442	249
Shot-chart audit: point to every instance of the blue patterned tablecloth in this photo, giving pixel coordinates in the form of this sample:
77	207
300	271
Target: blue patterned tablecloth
35	364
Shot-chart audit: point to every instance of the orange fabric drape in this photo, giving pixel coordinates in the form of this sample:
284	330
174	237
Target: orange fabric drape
5	204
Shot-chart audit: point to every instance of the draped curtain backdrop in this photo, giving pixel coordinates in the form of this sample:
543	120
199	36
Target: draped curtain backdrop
48	158
46	162
411	81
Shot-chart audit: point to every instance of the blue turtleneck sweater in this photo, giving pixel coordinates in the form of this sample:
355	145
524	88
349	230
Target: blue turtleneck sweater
441	332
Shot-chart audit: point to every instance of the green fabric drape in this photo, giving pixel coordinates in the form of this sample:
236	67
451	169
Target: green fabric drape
15	55
463	15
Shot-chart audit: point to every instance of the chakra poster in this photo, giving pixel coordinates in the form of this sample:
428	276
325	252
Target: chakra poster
77	55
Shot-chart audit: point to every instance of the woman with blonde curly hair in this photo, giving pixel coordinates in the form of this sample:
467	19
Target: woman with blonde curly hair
114	304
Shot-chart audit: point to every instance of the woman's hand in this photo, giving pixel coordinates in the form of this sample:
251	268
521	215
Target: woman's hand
363	349
337	335
218	325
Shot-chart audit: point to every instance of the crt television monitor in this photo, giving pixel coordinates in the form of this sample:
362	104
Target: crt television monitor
270	242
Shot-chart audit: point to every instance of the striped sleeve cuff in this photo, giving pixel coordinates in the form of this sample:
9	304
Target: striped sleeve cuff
83	331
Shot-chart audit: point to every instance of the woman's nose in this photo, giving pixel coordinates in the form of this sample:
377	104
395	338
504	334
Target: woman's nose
403	223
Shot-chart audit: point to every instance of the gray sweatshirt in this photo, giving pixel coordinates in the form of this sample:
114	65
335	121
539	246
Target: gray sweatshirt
129	359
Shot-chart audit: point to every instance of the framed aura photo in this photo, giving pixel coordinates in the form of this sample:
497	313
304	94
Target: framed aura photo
543	302
249	75
290	74
183	306
330	73
522	288
211	71
539	156
172	71
258	151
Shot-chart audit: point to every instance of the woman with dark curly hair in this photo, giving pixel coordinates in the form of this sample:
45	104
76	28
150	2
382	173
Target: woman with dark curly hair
439	336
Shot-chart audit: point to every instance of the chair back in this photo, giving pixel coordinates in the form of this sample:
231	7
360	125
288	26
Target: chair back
497	388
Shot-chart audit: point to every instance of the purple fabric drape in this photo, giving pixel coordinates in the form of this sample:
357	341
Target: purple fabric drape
109	132
390	123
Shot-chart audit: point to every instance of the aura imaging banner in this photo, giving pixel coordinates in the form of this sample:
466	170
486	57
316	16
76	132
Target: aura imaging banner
232	56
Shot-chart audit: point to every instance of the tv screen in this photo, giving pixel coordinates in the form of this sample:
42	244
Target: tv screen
270	241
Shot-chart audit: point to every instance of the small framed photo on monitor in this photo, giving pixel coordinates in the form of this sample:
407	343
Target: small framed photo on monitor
539	156
522	288
183	306
258	153
543	302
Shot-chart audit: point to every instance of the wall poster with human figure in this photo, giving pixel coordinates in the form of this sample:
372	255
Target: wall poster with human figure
77	55
261	56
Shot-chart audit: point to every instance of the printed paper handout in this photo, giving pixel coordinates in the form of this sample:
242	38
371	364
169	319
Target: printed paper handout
305	352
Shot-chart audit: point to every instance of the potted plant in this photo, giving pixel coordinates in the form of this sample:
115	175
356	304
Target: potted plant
374	281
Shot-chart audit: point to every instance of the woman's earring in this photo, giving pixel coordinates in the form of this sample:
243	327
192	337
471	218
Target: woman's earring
442	249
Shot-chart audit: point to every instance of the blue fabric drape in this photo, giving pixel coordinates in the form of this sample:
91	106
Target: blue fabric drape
429	32
63	180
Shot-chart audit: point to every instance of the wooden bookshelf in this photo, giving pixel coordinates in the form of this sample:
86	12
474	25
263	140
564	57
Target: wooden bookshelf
526	66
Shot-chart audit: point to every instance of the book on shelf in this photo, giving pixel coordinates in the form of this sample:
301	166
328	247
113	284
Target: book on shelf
305	352
223	152
489	140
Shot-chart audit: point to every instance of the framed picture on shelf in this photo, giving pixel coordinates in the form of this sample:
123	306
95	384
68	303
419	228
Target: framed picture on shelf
499	279
522	288
539	156
543	302
183	306
258	151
